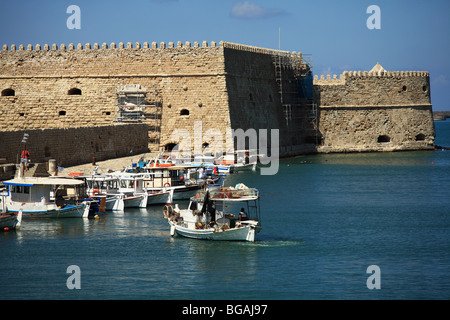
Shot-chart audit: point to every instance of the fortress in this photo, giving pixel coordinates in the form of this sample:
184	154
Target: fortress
76	102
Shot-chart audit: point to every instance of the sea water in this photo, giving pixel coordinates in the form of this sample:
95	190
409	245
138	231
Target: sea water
325	218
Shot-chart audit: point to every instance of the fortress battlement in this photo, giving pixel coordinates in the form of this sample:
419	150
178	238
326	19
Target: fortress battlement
370	75
147	45
113	45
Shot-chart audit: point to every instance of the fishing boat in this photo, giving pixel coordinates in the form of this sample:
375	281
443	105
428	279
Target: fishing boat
131	187
48	197
239	160
105	188
215	215
182	180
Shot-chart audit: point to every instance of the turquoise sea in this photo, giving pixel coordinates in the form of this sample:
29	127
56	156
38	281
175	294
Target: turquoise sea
325	218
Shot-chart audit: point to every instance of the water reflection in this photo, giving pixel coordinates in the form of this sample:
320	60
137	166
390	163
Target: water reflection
130	223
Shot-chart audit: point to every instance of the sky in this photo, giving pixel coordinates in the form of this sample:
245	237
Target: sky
413	35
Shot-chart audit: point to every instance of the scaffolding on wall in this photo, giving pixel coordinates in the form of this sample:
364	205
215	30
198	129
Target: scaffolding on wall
139	105
294	77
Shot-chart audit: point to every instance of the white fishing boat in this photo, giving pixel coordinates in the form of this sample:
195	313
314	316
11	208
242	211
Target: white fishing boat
46	197
237	161
221	214
105	187
131	186
181	180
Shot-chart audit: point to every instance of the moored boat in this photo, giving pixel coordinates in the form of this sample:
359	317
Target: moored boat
10	221
105	187
131	187
46	197
181	180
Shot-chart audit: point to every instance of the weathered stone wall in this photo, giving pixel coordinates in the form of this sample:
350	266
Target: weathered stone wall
73	146
385	111
223	87
255	89
187	77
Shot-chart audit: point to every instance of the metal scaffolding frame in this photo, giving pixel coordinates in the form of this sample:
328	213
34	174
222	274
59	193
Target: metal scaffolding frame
299	109
138	105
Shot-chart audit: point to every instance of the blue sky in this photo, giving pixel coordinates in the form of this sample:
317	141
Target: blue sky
414	35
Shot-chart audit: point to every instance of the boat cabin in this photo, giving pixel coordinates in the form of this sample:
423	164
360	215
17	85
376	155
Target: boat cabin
45	190
222	207
157	177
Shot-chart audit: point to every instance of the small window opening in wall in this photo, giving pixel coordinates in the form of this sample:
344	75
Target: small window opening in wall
420	137
424	88
8	93
62	113
21	114
169	146
384	139
404	88
184	112
106	113
74	91
47	152
205	145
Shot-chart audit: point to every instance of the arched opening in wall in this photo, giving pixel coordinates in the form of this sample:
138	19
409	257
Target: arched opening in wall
47	152
205	145
383	139
8	93
424	88
169	146
184	112
74	92
404	88
62	113
420	137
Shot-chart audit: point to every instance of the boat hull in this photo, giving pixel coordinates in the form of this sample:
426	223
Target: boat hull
244	233
10	221
135	201
69	211
158	198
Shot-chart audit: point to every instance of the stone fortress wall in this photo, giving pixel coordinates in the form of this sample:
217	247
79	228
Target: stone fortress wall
75	145
377	110
225	86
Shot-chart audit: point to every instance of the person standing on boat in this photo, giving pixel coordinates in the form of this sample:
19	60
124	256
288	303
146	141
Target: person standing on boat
243	215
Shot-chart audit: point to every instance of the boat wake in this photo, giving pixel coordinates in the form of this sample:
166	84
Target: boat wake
274	243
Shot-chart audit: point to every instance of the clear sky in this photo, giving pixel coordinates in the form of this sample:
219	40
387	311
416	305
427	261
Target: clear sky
414	35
